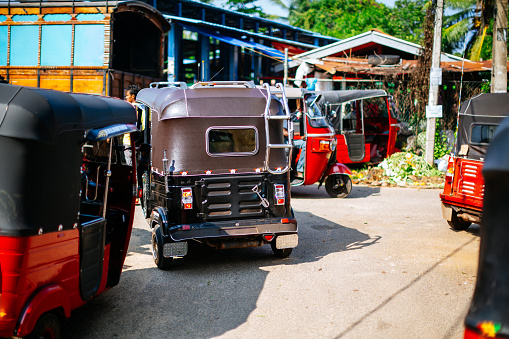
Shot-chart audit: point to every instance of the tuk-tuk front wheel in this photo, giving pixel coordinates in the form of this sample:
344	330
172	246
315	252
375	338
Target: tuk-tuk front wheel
47	327
157	249
458	224
338	185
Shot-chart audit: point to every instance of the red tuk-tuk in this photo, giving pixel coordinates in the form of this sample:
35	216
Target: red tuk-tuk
365	127
66	204
315	140
462	198
488	316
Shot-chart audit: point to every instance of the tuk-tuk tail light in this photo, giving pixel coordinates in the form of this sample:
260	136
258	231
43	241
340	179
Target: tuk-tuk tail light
450	171
279	194
187	198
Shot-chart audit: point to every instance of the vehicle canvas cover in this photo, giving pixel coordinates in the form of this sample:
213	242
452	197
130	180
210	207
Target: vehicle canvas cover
41	136
181	119
484	109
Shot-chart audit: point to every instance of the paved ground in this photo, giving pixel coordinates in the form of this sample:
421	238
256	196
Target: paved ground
381	263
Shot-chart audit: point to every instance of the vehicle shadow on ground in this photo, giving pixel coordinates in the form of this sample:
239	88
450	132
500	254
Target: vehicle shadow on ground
205	294
312	192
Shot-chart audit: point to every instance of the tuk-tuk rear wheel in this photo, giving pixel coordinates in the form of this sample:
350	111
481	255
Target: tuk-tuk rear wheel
280	253
47	327
157	249
338	185
458	224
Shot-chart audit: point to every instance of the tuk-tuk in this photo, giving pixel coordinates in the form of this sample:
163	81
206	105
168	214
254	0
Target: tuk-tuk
488	316
66	204
365	127
462	198
316	136
219	168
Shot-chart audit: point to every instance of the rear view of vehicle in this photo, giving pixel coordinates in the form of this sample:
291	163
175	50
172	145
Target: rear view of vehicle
219	171
462	198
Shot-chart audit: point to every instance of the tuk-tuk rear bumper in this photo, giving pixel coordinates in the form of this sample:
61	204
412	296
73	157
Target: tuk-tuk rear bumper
238	228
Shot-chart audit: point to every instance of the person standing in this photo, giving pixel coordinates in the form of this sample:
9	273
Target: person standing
130	97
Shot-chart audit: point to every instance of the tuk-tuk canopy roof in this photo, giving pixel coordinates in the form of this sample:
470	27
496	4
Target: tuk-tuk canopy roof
484	109
338	97
42	114
171	103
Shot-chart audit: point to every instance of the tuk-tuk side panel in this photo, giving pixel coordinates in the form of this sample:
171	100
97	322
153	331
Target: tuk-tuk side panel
316	160
28	264
342	155
40	186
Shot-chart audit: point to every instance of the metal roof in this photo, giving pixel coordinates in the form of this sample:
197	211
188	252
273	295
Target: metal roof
372	36
236	31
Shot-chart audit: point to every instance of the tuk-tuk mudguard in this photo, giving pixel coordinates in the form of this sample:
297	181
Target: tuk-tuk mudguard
47	299
158	215
338	168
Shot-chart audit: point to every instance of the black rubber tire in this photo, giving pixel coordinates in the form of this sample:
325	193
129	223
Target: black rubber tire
280	253
458	224
338	185
47	327
144	196
157	250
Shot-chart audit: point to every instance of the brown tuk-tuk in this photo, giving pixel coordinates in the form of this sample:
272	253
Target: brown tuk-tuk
219	168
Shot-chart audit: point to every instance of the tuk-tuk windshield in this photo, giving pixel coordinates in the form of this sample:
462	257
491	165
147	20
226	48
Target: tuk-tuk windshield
314	113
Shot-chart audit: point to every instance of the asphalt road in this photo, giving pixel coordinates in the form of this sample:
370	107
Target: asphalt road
381	263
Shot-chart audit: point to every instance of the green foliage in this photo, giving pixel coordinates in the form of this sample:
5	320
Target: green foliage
346	18
441	146
401	165
245	6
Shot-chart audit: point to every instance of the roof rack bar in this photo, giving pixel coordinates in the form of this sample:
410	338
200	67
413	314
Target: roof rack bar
246	84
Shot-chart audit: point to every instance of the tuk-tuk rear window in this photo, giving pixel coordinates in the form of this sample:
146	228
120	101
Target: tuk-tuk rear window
232	141
481	134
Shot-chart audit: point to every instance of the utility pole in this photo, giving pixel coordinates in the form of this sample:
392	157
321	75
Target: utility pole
432	110
499	59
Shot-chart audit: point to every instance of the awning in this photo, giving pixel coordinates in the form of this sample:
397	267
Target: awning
266	50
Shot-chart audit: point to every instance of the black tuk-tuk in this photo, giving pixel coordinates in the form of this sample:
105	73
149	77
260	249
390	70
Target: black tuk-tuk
66	204
488	316
219	168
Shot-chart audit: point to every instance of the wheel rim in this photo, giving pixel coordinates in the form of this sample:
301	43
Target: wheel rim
48	333
339	185
155	248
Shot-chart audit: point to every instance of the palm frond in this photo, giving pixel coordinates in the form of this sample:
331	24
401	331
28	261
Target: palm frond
460	4
474	53
457	32
280	4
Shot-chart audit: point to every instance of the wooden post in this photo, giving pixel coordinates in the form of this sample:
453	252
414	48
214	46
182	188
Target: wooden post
433	87
499	67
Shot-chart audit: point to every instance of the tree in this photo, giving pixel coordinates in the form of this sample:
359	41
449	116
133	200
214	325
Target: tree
245	6
346	18
471	26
